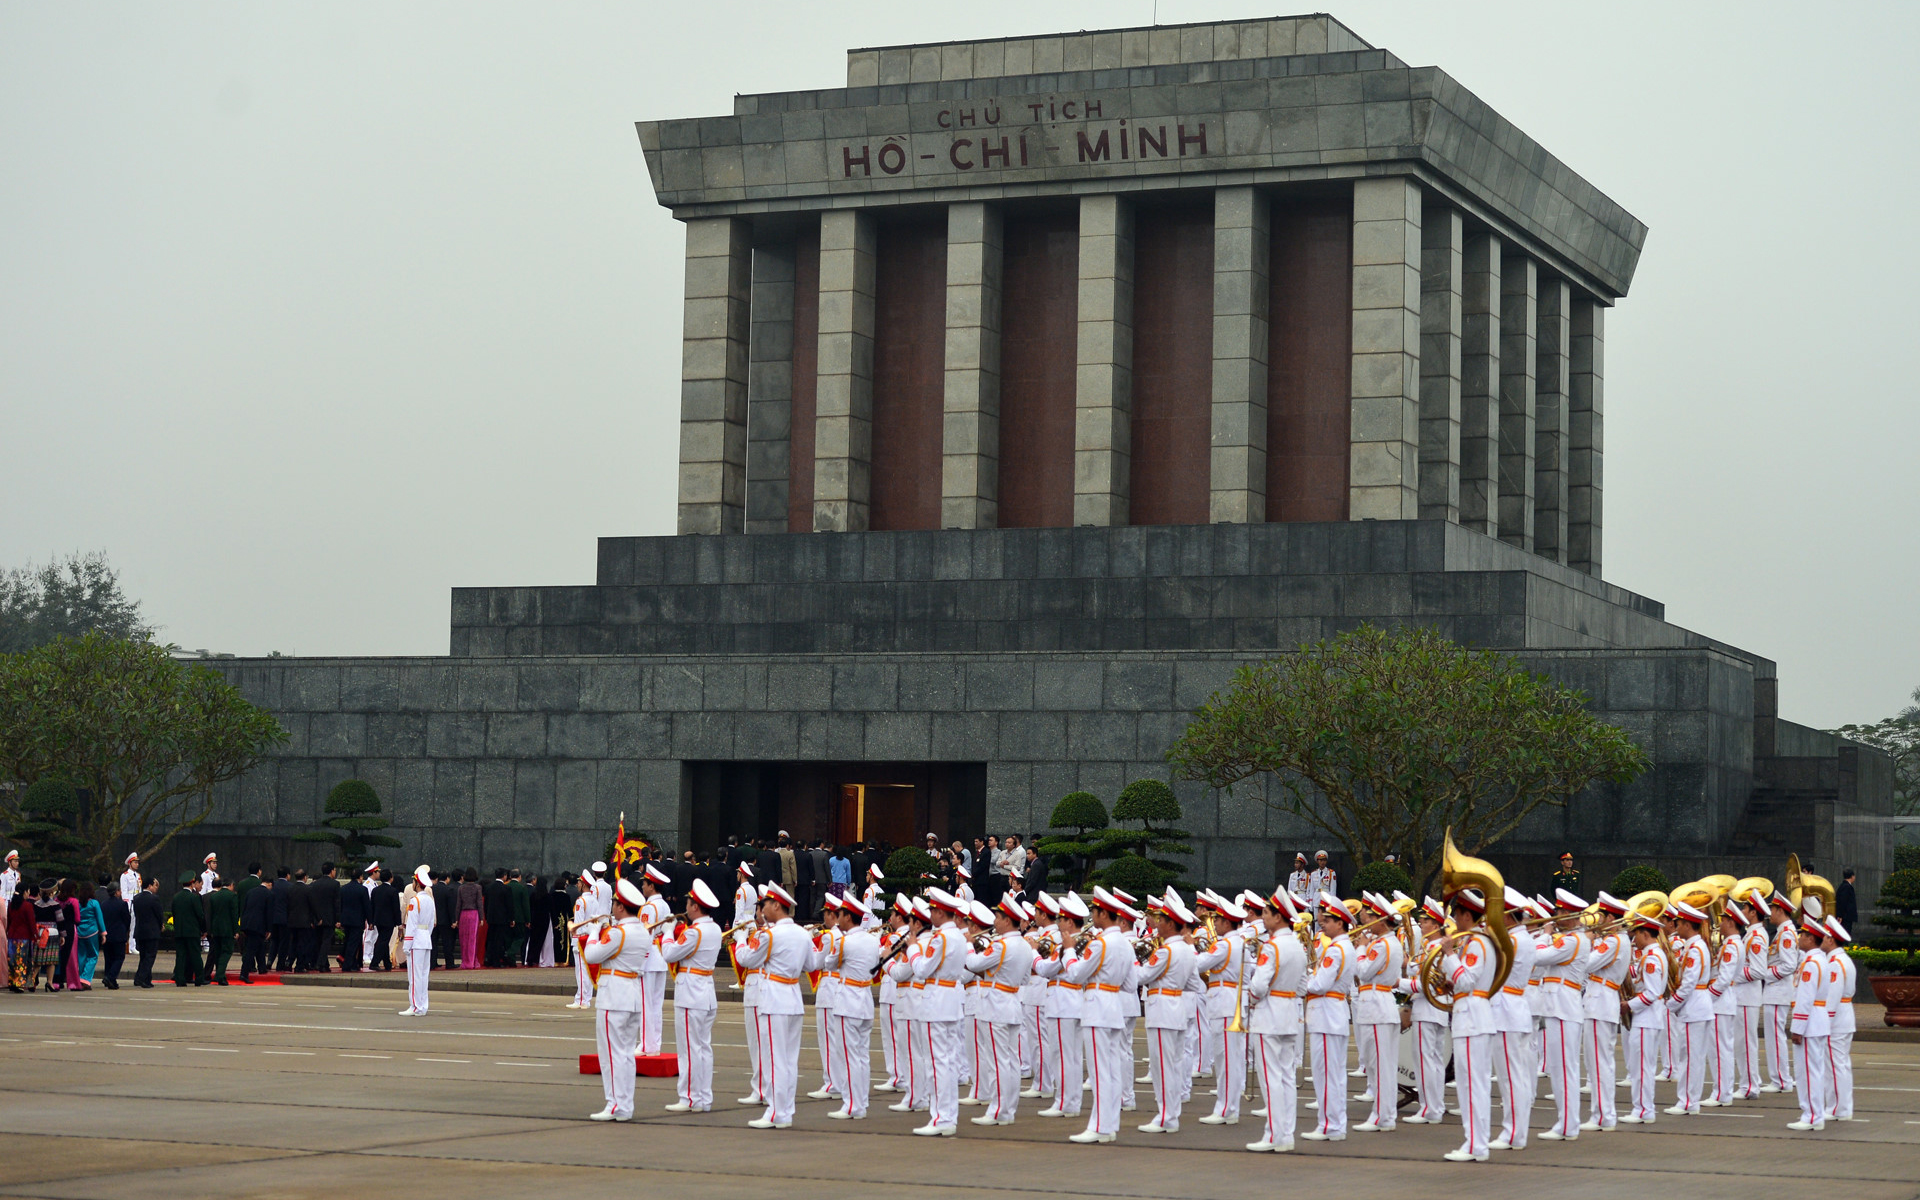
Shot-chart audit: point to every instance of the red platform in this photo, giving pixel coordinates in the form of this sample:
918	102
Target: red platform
659	1066
260	979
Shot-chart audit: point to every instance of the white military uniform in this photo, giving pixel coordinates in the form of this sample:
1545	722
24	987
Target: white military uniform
1100	975
416	944
1750	992
1842	977
744	900
909	1014
694	948
129	888
9	887
596	900
858	956
1430	1025
1376	1021
1033	994
1776	1004
821	958
1607	964
941	968
1322	879
1809	1019
748	936
1647	1030
1273	992
1168	977
1469	972
1300	883
620	950
1691	1006
892	1048
780	952
1564	1009
1060	1030
656	916
1328	1020
1725	1001
1222	966
1513	1052
1003	968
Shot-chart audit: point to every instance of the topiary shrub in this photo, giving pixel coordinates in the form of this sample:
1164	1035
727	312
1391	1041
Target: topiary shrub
1384	878
1899	900
907	869
353	824
1085	816
1136	875
1639	878
45	834
1152	803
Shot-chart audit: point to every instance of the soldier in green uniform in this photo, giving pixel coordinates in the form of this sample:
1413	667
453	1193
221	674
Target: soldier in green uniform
223	922
1566	877
189	925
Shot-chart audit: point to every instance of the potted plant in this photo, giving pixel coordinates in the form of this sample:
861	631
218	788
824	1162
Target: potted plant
1895	975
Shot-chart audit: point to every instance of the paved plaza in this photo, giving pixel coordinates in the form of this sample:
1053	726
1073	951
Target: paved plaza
299	1091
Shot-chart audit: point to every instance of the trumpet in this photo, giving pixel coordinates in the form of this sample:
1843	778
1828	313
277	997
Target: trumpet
983	942
1047	944
1144	948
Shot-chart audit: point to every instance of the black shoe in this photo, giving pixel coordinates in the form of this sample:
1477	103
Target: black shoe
16	991
221	982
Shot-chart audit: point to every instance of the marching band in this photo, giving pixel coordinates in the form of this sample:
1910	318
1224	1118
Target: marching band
1248	989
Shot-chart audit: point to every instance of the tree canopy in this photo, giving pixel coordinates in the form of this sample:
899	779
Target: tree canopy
144	736
1383	739
65	598
1899	737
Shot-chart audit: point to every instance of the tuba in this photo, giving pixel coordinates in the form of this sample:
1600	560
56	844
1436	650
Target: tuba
1754	889
1801	884
1709	895
1457	873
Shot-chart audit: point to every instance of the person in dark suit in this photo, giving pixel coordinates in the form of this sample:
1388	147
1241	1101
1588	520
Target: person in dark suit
560	910
223	922
354	904
822	876
255	921
117	923
539	920
767	865
189	926
300	920
386	916
1846	905
281	949
736	854
446	917
149	922
499	916
805	885
324	896
521	897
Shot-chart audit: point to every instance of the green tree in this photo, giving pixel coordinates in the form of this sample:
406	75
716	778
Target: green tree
145	736
1384	739
66	598
1084	817
355	824
1639	878
1136	876
1152	804
1899	737
908	870
1899	900
1383	878
45	833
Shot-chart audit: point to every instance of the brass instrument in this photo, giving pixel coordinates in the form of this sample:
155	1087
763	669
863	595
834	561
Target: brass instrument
1047	944
1081	939
1709	895
983	942
1144	948
1801	884
1754	889
1238	1023
1458	872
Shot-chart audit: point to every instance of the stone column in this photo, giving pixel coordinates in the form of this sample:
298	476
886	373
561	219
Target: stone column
1383	477
769	389
1550	420
970	430
713	376
1480	385
1103	388
843	425
1442	264
1519	278
1585	430
1241	253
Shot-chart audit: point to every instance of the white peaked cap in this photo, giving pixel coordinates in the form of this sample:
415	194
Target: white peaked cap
855	904
423	873
980	914
598	867
209	858
1073	906
129	858
874	872
1233	909
779	895
657	875
703	895
372	866
629	894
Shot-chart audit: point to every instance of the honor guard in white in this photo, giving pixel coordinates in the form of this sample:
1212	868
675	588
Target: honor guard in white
1776	992
1646	1013
1300	883
1513	1056
1728	968
746	897
825	952
782	958
941	967
129	888
1842	977
1274	987
1564	1009
619	949
1168	976
416	941
1468	964
1608	960
893	1032
1328	1020
1060	1016
870	899
963	886
9	888
1226	964
1430	1024
657	917
1750	992
692	949
1808	1025
857	960
748	935
1101	971
1323	882
1378	960
210	871
1692	1005
592	912
1003	962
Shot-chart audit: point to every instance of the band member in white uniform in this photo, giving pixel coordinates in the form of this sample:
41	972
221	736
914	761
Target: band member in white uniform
782	956
825	952
656	916
592	912
1724	990
1328	1021
909	1011
1467	962
749	934
416	941
1646	1017
1608	962
1564	1009
1512	1054
1429	1023
941	966
1279	976
1842	977
973	1034
1750	992
619	949
1060	1016
692	948
1691	1005
1376	1018
1033	995
858	954
1100	973
1776	992
1224	963
893	1032
1808	1025
1168	976
1002	961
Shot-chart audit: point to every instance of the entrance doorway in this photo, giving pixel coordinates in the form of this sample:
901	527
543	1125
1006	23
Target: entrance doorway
876	812
882	804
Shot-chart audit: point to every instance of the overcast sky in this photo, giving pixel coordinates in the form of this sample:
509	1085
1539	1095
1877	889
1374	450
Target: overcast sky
309	313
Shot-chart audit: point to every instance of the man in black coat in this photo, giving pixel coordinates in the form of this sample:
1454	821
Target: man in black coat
385	911
300	920
281	952
767	865
324	896
560	909
255	920
354	906
805	887
822	876
1846	905
446	917
496	907
149	922
117	925
539	919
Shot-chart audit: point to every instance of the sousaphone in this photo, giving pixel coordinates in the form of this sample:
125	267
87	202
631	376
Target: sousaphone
1459	872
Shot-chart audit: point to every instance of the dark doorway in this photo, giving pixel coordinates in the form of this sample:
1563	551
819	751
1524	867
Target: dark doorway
897	804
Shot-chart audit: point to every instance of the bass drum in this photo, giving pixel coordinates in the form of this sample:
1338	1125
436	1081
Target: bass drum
1409	1066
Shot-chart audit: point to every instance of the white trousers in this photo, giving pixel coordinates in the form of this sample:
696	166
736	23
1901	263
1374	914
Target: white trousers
853	1036
919	1067
1167	1068
998	1082
1127	1026
1513	1056
1068	1070
1561	1045
943	1041
1046	1045
973	1036
1232	1069
1379	1048
1750	1077
889	1044
367	939
779	1063
1726	1052
582	985
1779	1058
1111	1059
750	1013
1029	1039
1207	1049
694	1040
653	998
1839	1103
1690	1061
1643	1063
1430	1069
1190	1041
614	1035
1812	1056
1597	1044
419	966
823	1035
1276	1060
1328	1055
1473	1084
